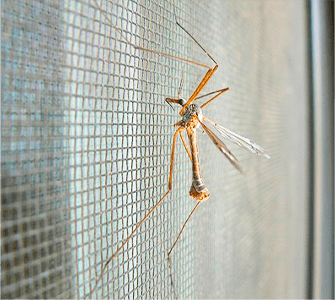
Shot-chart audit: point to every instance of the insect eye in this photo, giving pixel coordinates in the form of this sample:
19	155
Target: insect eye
182	101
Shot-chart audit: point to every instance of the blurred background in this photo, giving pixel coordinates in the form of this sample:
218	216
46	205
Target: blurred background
86	144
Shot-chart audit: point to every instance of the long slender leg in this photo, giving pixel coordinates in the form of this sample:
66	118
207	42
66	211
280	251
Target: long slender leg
169	260
181	231
210	100
183	140
195	96
175	242
192	37
148	214
207	76
211	93
145	49
200	87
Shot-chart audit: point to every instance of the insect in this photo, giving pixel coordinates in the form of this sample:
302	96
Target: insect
192	118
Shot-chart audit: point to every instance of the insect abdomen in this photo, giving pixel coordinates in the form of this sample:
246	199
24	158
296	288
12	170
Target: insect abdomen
198	190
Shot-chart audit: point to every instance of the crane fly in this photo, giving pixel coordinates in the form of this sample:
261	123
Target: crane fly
192	118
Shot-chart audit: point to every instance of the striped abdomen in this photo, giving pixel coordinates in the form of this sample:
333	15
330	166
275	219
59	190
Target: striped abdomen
198	190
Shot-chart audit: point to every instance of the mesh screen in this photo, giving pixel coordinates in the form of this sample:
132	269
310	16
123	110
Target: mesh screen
87	138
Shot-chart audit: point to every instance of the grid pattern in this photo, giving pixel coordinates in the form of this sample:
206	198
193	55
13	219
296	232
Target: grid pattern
35	228
121	139
86	145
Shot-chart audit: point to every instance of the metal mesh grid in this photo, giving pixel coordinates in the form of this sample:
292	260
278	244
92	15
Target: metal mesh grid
121	141
35	228
251	236
86	142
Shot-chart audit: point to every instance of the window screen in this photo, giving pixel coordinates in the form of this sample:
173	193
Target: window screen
87	139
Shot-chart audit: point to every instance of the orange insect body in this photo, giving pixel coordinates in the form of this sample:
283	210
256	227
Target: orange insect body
190	121
192	118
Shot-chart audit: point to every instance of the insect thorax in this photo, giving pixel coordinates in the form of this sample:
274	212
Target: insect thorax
191	111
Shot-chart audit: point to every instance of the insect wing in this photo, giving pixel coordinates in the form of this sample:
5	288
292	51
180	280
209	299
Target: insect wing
239	139
223	148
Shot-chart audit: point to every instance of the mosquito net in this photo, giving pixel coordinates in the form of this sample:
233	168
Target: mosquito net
87	140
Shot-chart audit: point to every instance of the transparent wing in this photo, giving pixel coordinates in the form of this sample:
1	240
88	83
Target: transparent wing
239	139
223	148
